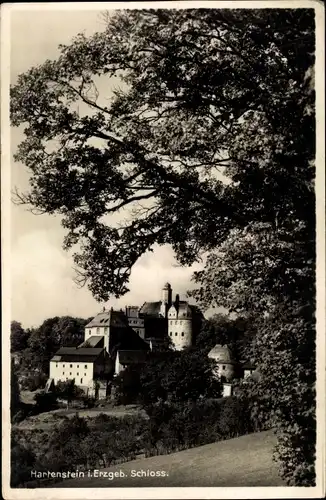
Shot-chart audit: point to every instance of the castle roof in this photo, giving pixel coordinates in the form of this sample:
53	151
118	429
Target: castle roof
151	308
108	318
221	354
154	308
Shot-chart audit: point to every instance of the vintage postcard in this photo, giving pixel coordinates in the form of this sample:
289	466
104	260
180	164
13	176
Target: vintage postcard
163	250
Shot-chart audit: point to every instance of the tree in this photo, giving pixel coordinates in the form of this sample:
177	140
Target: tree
237	333
207	146
15	403
203	91
179	376
52	334
18	337
22	461
68	391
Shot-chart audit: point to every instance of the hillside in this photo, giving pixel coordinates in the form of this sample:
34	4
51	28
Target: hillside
243	461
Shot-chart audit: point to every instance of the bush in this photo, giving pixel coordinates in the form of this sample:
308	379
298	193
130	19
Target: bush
33	382
22	463
174	426
45	401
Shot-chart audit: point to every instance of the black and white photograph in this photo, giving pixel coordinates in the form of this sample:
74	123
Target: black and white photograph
163	246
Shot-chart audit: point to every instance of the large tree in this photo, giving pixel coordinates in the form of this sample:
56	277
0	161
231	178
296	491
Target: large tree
18	337
207	144
207	129
49	336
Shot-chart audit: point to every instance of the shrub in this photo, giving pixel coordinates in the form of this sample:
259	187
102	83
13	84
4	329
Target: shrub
45	401
33	382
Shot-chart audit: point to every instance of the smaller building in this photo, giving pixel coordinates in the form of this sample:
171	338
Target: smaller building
124	359
82	364
225	364
247	369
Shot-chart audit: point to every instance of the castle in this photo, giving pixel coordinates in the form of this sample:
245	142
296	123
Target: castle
116	339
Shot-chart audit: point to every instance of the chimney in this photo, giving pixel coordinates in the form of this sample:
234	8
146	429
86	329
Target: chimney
177	300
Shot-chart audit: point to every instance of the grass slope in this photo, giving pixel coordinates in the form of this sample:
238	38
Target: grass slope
243	461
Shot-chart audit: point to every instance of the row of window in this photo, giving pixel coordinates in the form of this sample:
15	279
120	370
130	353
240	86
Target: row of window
81	380
173	315
135	322
176	333
176	322
106	330
77	374
71	366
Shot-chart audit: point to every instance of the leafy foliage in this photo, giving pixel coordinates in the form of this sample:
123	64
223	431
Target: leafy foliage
174	376
45	340
237	333
68	391
22	461
18	337
214	110
15	404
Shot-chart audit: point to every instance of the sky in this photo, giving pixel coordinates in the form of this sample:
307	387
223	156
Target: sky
42	275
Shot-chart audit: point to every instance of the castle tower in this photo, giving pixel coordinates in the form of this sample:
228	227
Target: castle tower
180	325
166	300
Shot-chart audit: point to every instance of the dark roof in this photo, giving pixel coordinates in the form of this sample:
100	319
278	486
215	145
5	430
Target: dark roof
132	357
125	339
108	318
93	341
77	354
151	308
154	308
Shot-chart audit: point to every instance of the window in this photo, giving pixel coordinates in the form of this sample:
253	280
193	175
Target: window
66	378
70	373
106	330
70	366
176	322
85	366
170	334
63	373
77	366
175	334
77	374
56	365
182	334
63	366
223	367
90	332
97	331
81	380
85	374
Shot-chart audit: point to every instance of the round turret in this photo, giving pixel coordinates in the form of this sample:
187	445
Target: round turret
224	361
180	326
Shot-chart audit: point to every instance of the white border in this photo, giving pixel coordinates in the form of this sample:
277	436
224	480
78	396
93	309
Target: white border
150	493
